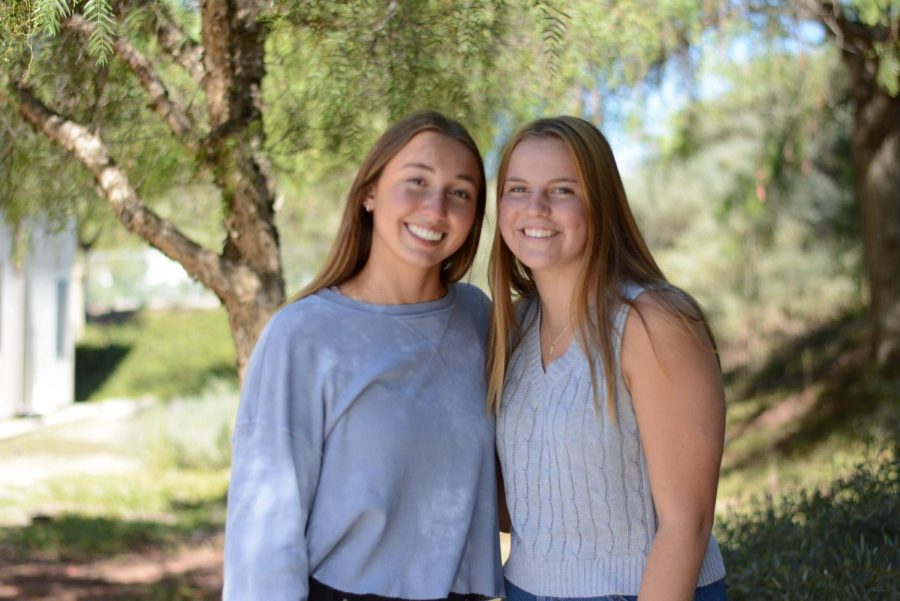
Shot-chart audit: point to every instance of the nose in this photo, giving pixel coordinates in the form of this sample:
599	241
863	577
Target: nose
434	204
538	203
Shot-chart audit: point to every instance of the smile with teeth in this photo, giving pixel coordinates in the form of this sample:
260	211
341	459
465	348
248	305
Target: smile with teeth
535	232
424	233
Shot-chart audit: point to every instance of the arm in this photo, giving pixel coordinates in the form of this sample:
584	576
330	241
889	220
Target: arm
671	371
276	459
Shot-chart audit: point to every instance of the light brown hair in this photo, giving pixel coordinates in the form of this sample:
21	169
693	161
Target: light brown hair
615	253
350	249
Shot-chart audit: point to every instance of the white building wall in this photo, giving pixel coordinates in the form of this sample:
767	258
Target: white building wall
37	351
11	328
50	349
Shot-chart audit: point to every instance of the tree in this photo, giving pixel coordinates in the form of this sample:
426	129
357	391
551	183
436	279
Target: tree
147	48
747	198
869	40
240	89
867	33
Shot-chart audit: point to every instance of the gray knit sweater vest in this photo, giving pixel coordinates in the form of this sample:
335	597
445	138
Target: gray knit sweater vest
576	482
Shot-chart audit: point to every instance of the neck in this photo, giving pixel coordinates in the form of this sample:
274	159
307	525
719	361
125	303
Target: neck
377	285
556	291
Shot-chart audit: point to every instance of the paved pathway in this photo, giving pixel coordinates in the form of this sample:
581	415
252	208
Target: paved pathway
87	439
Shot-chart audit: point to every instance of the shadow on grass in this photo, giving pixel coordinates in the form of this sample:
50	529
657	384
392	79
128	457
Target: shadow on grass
115	317
94	365
803	360
76	537
89	558
810	388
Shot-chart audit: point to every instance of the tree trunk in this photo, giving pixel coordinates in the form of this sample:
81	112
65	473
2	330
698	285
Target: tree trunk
876	159
876	164
234	58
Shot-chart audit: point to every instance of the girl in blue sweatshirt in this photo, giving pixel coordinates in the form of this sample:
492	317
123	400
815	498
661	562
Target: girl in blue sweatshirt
363	456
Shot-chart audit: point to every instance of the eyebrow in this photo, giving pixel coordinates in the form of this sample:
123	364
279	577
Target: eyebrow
464	176
555	180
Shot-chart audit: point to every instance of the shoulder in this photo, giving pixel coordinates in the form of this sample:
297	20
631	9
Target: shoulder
286	363
472	298
665	325
473	308
663	306
470	293
303	313
302	319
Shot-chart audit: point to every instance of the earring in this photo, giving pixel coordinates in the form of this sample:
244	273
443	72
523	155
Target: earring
367	206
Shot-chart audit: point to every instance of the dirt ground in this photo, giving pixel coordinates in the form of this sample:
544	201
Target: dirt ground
191	573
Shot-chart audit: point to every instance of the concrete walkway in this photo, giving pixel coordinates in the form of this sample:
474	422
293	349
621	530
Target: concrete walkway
84	439
77	412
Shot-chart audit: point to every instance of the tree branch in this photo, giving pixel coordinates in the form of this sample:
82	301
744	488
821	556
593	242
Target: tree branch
851	35
177	44
178	120
209	268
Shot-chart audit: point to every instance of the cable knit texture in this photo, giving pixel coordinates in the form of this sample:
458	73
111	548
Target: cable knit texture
577	486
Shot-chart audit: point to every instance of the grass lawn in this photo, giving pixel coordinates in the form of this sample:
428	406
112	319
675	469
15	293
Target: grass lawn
159	354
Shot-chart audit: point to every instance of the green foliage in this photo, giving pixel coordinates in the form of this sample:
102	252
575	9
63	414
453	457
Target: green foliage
337	72
889	69
813	409
99	13
363	65
164	355
883	15
104	97
750	204
71	536
48	15
839	542
191	433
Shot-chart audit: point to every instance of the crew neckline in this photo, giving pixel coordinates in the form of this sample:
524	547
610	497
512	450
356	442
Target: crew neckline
411	309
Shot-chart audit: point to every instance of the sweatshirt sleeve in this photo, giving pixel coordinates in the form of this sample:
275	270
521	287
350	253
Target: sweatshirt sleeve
276	457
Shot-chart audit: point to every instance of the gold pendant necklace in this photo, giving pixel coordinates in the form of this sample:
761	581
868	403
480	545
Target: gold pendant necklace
555	340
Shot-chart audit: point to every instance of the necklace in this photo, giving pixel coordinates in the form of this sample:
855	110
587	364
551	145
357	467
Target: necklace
555	340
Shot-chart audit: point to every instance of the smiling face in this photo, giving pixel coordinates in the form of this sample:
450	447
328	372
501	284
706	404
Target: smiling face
541	210
423	204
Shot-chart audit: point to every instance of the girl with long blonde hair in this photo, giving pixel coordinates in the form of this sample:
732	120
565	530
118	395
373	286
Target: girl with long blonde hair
606	384
363	462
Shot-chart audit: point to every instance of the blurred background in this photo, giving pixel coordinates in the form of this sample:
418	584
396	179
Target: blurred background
164	188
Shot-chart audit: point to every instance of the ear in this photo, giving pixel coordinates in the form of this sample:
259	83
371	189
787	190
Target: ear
369	201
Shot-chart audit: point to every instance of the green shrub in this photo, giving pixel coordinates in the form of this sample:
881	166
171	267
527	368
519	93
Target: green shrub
840	542
191	433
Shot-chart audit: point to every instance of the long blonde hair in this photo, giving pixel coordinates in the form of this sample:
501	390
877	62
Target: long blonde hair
350	249
615	253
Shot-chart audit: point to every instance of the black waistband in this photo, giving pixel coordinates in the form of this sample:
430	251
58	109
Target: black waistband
322	592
